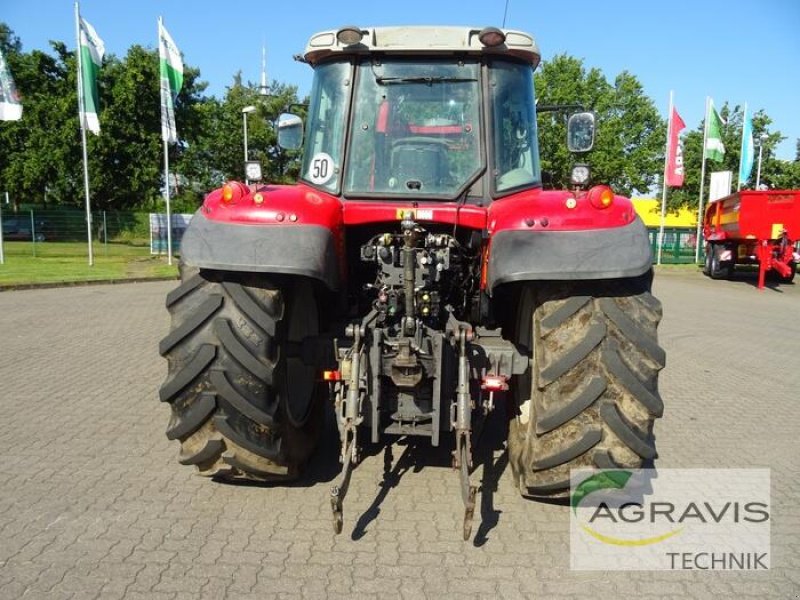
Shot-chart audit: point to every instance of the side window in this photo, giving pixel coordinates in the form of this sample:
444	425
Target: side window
322	161
516	151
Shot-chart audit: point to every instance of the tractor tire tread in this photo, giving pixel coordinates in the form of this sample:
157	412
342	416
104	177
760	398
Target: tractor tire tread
257	313
185	288
616	366
186	423
209	306
272	453
212	448
573	407
562	313
567	361
197	364
592	393
241	353
238	401
587	440
226	381
633	332
625	431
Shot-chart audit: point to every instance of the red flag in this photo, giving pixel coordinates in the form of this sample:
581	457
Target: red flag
675	151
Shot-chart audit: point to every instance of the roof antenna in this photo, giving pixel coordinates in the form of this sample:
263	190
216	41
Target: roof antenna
505	13
263	89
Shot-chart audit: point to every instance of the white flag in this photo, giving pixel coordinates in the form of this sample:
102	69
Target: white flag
10	106
92	50
171	70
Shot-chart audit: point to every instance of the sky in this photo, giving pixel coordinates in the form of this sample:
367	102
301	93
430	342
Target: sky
742	51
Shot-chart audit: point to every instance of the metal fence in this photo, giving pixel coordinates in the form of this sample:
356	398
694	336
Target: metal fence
60	232
678	246
70	226
56	232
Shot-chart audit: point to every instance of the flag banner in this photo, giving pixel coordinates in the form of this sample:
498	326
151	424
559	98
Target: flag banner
92	50
171	70
715	149
10	106
675	151
720	185
748	149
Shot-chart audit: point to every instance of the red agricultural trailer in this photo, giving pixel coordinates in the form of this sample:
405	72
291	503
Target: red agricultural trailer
755	228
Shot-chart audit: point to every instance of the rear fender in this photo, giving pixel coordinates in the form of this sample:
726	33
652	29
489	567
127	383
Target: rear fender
570	244
289	230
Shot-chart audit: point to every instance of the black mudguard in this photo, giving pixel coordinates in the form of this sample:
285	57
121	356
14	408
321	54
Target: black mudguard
518	255
307	250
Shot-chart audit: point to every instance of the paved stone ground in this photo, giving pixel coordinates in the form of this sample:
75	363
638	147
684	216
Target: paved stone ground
94	505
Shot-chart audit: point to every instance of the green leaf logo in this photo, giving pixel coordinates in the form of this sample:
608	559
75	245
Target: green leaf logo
611	480
599	481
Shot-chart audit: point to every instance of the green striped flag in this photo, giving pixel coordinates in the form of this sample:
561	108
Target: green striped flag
171	69
715	149
92	50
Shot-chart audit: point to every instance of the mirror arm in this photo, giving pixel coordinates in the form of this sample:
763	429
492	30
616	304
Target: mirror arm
559	107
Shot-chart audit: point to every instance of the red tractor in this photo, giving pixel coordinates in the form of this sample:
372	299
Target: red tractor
416	276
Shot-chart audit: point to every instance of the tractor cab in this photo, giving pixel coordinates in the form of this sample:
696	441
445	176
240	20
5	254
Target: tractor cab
435	113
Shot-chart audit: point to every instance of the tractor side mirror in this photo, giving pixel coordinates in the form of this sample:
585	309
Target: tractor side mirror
290	131
580	132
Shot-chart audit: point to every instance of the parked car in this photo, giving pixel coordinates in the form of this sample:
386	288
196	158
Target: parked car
19	228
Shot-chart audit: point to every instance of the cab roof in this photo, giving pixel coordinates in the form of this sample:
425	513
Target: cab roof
421	40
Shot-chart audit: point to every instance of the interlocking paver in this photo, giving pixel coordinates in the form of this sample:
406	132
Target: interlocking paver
93	503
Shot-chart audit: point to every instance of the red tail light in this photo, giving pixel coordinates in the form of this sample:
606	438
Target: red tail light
331	376
601	196
232	192
494	383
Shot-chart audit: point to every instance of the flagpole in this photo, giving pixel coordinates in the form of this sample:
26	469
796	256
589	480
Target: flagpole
741	148
664	182
81	118
166	198
166	165
702	183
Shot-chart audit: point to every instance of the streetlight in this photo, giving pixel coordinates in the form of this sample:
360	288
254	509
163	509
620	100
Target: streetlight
761	139
246	111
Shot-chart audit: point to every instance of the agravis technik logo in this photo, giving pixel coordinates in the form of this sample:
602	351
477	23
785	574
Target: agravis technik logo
714	519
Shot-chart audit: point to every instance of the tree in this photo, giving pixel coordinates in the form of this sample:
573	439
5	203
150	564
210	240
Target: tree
126	160
629	148
42	155
40	149
218	154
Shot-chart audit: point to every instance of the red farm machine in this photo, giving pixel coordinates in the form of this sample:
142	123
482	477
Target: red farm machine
753	228
416	277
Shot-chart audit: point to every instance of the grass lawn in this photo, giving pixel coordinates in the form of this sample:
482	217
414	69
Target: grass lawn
677	267
57	262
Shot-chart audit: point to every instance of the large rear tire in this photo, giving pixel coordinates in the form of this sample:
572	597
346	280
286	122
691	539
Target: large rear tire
242	407
591	394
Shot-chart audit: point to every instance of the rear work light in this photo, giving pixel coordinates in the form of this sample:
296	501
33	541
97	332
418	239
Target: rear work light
601	196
